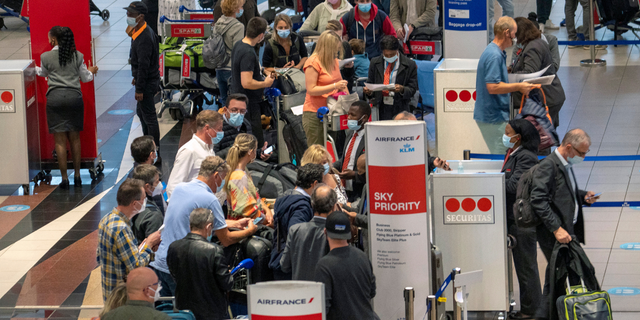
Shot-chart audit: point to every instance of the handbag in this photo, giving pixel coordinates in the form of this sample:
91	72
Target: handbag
285	84
340	106
537	112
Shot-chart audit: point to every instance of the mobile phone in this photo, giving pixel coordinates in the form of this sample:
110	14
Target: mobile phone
269	150
257	220
595	195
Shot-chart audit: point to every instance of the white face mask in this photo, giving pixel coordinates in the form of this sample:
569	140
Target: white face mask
156	295
158	190
142	207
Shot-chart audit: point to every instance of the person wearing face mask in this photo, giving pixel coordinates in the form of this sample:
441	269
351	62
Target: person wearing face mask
190	155
200	269
491	111
151	218
291	209
557	200
358	115
522	139
118	250
143	151
232	31
535	56
366	22
323	11
285	49
318	154
243	199
392	68
142	291
248	10
246	75
189	196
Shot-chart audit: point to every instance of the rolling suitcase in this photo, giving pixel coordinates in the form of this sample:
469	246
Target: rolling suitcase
170	309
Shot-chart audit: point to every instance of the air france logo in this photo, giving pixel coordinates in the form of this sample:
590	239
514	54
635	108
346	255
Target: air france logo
397	139
278	302
407	148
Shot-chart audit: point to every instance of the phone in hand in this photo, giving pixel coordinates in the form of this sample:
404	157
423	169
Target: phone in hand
596	195
270	149
257	220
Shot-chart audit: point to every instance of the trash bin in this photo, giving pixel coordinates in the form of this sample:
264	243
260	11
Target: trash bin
19	135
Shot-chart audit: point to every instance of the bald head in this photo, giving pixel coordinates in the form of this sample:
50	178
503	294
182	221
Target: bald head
361	165
138	282
404	115
503	24
323	199
576	137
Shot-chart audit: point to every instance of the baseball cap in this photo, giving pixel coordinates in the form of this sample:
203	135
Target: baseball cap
137	7
338	226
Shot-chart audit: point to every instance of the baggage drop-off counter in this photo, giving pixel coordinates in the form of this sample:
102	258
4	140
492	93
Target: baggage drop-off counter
470	229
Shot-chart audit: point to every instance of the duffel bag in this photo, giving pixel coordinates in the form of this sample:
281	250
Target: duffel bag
173	57
272	180
581	304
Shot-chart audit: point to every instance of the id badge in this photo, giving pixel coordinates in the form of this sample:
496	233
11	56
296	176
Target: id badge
388	100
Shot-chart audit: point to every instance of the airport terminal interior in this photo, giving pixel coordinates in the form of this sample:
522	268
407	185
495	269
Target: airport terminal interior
48	249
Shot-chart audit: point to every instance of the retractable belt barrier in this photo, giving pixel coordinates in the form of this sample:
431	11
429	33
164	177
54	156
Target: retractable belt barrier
443	287
601	204
597	42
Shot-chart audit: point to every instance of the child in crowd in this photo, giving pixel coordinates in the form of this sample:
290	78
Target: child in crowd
361	64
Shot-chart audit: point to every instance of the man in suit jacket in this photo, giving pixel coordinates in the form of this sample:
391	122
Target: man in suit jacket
556	199
358	115
392	68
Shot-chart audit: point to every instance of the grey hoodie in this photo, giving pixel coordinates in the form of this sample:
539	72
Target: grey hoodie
234	34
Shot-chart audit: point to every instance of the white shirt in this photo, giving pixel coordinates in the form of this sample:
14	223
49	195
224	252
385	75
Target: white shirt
574	186
187	164
352	158
85	74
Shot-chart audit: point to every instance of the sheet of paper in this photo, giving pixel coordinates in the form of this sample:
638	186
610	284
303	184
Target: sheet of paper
545	81
297	110
406	32
282	70
519	77
345	61
380	87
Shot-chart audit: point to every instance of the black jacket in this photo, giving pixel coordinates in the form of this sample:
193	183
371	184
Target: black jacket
144	61
407	77
202	276
230	133
558	211
534	57
306	245
148	221
278	59
359	180
291	209
513	169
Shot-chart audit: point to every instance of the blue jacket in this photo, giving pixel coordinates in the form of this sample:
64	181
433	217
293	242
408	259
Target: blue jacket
379	26
361	65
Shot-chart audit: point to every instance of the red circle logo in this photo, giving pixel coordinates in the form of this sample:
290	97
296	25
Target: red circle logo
465	95
452	95
468	205
6	97
474	96
484	205
452	205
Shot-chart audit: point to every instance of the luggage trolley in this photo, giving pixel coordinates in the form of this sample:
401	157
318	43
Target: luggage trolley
284	103
195	14
104	14
193	81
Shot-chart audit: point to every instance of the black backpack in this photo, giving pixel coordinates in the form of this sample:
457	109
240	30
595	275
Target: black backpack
523	212
294	136
272	180
214	50
206	4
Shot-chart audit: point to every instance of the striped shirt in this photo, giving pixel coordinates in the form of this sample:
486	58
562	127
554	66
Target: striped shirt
117	251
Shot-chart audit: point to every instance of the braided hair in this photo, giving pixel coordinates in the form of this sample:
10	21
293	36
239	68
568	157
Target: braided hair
66	44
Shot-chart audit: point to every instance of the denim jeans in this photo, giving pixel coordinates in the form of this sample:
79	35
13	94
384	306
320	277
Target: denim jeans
543	9
507	10
168	283
223	84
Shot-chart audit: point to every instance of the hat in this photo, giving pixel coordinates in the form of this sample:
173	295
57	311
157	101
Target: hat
338	226
137	7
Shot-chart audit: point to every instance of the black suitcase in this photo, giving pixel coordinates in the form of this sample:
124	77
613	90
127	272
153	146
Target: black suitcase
423	34
618	11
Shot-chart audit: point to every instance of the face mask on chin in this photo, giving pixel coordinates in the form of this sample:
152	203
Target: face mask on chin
156	293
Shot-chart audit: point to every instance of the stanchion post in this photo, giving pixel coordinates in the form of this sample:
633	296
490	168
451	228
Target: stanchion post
433	312
466	155
592	61
457	312
409	294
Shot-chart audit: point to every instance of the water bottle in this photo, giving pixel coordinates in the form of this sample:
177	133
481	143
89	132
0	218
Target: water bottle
460	167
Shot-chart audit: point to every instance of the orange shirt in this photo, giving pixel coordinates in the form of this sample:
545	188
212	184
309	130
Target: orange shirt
312	103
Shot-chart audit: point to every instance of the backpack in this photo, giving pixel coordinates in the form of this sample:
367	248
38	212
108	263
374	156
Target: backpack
206	4
522	210
272	180
294	136
214	51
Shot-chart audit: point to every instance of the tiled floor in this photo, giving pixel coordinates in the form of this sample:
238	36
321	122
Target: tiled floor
47	253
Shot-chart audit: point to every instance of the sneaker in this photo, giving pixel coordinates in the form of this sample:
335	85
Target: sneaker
541	27
549	25
598	47
563	23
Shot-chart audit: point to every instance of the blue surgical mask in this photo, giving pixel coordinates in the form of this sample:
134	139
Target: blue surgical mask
284	33
364	7
156	159
218	138
209	237
326	168
392	59
219	188
235	119
353	125
506	140
131	21
239	14
575	160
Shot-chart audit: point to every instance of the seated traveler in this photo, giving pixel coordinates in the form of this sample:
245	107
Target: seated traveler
142	288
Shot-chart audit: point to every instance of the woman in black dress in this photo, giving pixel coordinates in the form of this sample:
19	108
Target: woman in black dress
64	66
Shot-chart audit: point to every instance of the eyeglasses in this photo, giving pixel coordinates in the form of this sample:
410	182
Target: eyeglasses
243	111
215	169
582	154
